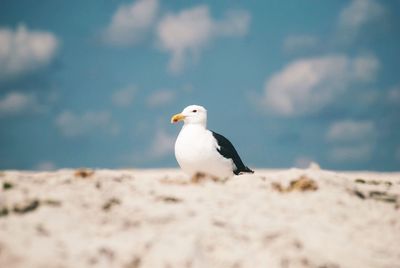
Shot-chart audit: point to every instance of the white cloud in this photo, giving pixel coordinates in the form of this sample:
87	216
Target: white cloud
353	140
299	42
73	125
351	131
189	31
304	161
162	145
354	153
234	23
45	166
394	95
130	22
352	20
358	14
161	98
17	103
23	51
364	68
124	97
307	85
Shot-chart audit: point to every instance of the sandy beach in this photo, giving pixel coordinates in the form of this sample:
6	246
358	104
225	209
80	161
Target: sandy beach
160	218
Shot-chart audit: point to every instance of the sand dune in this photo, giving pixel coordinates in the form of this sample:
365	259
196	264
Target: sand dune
159	218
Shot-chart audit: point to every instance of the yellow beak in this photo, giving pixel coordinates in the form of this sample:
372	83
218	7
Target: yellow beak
176	118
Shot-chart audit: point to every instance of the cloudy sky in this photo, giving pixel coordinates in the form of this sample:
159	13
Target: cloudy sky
94	83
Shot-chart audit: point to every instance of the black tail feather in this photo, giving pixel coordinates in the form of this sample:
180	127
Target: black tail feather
243	170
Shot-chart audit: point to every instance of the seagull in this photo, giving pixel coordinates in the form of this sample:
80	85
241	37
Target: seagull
202	151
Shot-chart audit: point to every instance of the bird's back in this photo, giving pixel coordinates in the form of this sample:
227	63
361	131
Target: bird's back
227	149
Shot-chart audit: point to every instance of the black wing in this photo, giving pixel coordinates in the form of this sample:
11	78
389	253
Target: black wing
228	151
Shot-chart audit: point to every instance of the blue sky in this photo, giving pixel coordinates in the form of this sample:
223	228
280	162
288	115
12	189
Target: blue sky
94	83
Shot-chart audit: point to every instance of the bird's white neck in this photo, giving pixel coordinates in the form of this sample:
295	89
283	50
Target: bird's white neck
201	126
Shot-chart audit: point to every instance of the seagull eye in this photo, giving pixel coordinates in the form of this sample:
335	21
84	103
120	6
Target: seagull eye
194	111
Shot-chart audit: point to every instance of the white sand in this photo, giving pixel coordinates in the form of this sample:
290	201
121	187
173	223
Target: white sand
156	218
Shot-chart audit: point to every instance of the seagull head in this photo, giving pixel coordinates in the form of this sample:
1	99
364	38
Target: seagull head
193	114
